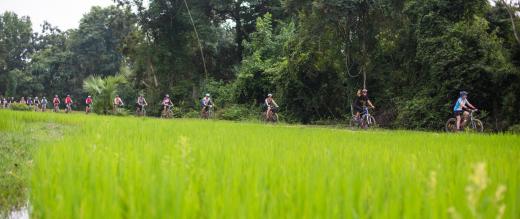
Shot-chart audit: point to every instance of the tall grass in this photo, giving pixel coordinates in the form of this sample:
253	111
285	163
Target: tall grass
147	168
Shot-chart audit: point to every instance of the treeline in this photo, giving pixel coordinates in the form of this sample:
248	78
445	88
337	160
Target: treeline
413	56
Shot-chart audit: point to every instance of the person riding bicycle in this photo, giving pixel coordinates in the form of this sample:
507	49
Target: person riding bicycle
88	103
462	106
206	103
36	103
22	100
118	102
271	104
68	102
29	101
56	102
140	103
44	104
361	102
166	102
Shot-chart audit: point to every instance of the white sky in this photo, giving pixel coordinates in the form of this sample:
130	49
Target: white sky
62	13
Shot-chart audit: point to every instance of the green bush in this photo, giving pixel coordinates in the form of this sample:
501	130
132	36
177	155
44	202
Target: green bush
191	114
514	129
20	107
237	113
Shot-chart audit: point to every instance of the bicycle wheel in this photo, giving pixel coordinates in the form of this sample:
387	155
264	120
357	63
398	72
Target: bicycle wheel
451	125
477	125
371	122
274	118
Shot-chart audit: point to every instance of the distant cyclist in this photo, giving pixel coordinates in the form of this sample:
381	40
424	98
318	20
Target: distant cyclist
206	103
4	102
88	104
461	108
118	103
166	103
23	101
68	103
56	103
140	103
361	102
29	101
44	104
271	105
36	103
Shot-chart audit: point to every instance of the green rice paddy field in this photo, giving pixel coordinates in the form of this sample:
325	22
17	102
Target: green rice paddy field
78	166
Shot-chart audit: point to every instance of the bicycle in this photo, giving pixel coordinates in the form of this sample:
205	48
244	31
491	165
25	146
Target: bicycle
472	122
167	113
140	111
88	109
68	108
56	108
270	115
365	121
207	112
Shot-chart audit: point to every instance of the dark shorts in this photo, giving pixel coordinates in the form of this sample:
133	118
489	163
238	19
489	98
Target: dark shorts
458	113
358	109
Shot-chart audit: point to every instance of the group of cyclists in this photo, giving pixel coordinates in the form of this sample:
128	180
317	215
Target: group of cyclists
360	105
461	110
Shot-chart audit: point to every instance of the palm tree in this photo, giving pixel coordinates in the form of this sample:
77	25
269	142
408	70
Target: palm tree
103	90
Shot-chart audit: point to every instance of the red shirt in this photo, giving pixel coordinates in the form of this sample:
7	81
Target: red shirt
88	100
56	100
68	100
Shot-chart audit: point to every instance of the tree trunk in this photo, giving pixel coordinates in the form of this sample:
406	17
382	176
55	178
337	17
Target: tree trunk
511	11
238	29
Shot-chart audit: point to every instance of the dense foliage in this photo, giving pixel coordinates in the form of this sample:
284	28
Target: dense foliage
413	56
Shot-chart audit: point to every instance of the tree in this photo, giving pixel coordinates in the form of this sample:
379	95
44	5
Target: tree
103	91
15	45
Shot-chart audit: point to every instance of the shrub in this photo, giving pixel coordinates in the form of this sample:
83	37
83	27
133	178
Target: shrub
514	129
20	107
236	113
192	114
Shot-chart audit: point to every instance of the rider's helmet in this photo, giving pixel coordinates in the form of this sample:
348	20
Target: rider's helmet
55	95
167	95
269	95
89	96
117	95
207	95
463	93
68	95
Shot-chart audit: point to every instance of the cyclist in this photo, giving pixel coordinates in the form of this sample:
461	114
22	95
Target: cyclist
88	103
56	102
118	102
461	108
22	100
44	104
140	103
4	102
36	103
271	105
29	101
10	101
167	103
206	103
68	103
361	102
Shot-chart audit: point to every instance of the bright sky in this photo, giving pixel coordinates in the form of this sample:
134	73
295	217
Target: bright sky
62	13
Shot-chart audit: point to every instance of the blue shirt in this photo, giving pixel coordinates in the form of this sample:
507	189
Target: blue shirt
458	105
